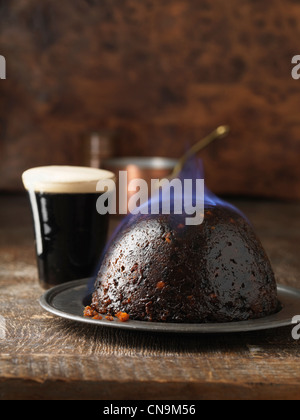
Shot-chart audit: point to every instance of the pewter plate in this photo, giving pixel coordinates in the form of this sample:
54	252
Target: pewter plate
69	299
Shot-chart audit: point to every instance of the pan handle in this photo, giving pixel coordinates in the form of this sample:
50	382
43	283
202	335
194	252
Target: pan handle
220	132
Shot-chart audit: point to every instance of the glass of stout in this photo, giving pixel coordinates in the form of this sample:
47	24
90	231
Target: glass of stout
70	235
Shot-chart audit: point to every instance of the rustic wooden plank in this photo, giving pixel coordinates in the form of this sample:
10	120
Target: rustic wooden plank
116	379
211	368
130	391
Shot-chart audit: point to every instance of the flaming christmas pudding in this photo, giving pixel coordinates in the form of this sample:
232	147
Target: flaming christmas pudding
158	269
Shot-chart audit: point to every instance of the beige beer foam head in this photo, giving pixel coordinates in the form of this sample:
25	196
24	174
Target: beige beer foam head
64	179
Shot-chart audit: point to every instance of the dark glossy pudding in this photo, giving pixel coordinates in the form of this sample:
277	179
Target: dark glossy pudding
160	270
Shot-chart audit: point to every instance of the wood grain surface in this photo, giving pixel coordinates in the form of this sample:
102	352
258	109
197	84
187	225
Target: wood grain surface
162	75
45	357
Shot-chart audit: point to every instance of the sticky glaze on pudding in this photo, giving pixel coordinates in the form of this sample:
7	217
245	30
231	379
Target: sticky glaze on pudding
157	269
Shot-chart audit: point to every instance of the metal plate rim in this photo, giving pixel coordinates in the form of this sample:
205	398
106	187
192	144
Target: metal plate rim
54	299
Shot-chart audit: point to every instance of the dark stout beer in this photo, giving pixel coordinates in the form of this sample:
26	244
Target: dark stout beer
70	234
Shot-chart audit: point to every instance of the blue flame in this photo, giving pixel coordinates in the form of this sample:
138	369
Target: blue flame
193	170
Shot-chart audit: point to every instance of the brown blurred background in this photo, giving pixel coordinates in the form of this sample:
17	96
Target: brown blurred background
161	74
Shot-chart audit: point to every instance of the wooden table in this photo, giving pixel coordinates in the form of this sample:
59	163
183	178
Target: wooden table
44	357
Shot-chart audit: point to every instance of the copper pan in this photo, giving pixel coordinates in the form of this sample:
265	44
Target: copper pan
149	168
146	168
